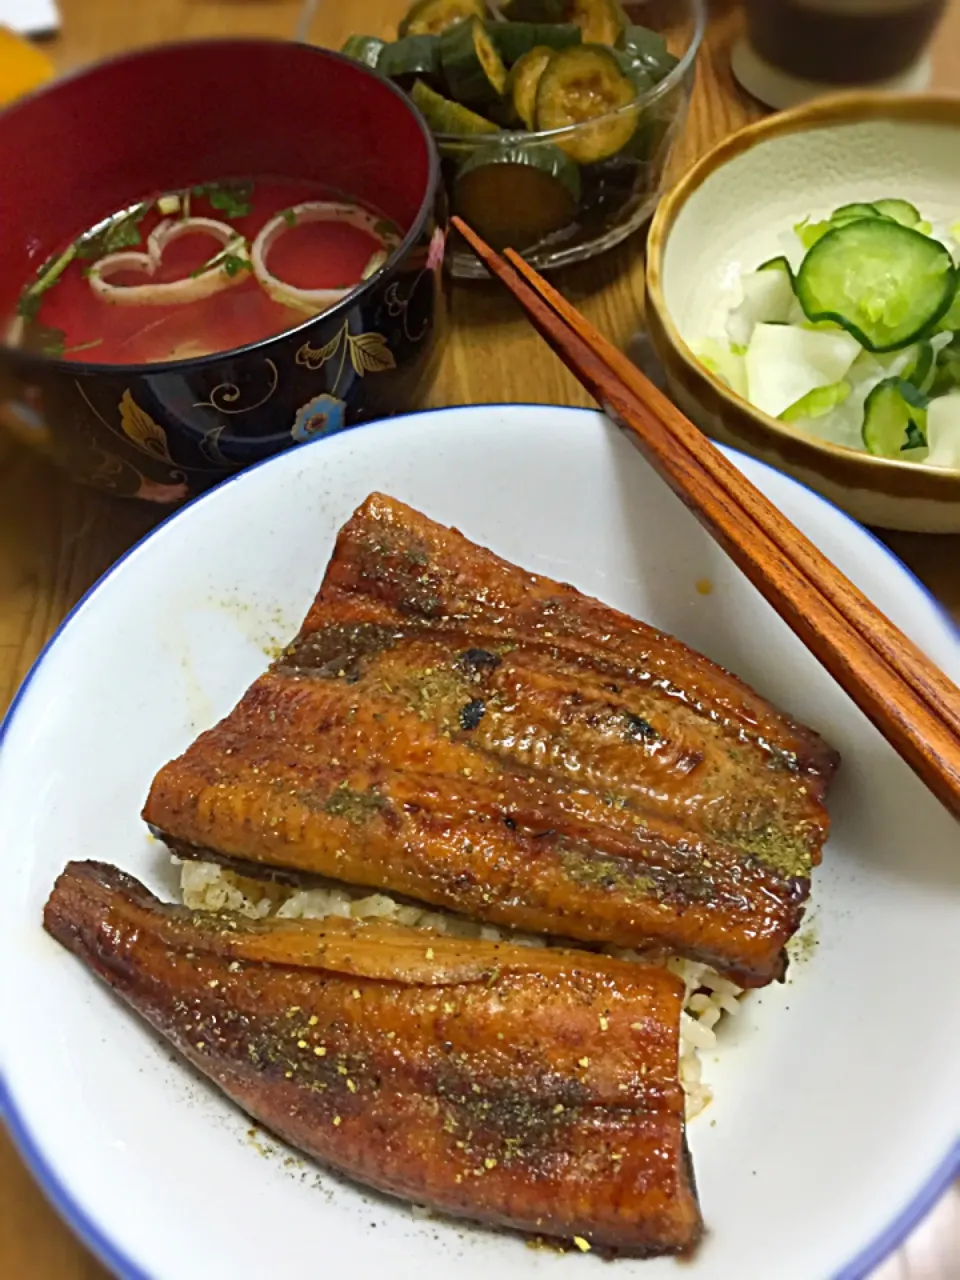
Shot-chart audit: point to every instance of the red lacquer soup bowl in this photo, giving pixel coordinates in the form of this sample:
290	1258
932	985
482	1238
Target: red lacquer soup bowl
254	118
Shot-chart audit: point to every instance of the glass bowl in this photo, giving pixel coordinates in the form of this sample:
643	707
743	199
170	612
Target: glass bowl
593	205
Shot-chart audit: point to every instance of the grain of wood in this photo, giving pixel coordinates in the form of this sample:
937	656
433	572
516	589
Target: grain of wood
56	539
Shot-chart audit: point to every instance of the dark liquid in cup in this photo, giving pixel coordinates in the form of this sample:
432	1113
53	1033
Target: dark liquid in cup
830	47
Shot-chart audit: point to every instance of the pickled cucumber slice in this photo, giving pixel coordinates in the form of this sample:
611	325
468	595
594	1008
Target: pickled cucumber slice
525	80
919	367
365	49
584	84
514	39
446	117
850	212
901	211
517	193
601	21
431	17
474	71
410	58
881	281
894	419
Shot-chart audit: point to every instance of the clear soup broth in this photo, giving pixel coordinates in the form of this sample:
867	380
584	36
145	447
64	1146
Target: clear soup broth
203	270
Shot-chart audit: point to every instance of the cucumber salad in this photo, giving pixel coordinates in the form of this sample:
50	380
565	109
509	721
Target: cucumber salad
853	333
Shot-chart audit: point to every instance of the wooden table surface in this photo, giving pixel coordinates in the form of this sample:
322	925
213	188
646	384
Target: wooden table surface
56	539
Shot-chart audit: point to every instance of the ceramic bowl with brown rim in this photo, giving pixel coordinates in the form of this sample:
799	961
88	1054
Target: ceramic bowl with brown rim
730	213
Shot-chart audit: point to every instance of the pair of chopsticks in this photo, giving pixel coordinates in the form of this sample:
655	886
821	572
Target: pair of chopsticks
911	702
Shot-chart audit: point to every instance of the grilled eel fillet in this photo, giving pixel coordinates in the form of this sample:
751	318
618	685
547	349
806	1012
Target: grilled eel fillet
451	728
520	1087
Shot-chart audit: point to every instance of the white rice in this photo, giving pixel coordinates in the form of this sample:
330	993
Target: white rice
208	887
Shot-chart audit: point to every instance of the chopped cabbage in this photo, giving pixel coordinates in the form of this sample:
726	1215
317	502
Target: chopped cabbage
785	364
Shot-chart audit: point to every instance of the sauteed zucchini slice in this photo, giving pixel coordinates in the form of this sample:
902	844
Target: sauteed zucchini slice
474	71
516	194
410	58
525	80
513	39
648	49
365	49
431	17
601	21
584	84
446	117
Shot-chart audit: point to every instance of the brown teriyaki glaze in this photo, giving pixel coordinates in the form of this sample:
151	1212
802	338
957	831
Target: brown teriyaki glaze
521	1087
451	728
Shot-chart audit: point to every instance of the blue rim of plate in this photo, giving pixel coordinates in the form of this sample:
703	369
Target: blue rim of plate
50	1183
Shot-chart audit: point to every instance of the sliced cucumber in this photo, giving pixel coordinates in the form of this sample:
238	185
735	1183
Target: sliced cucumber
901	211
525	80
649	49
365	49
894	419
785	364
474	71
811	233
601	21
516	194
582	85
850	212
449	118
881	281
411	58
431	17
919	365
514	39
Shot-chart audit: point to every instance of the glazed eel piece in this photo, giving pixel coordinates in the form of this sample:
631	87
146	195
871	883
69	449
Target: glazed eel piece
451	728
522	1087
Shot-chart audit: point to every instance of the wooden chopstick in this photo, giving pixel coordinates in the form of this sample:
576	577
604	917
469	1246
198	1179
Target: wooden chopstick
911	703
925	679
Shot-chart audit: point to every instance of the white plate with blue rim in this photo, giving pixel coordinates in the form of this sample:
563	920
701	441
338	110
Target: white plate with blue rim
836	1113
